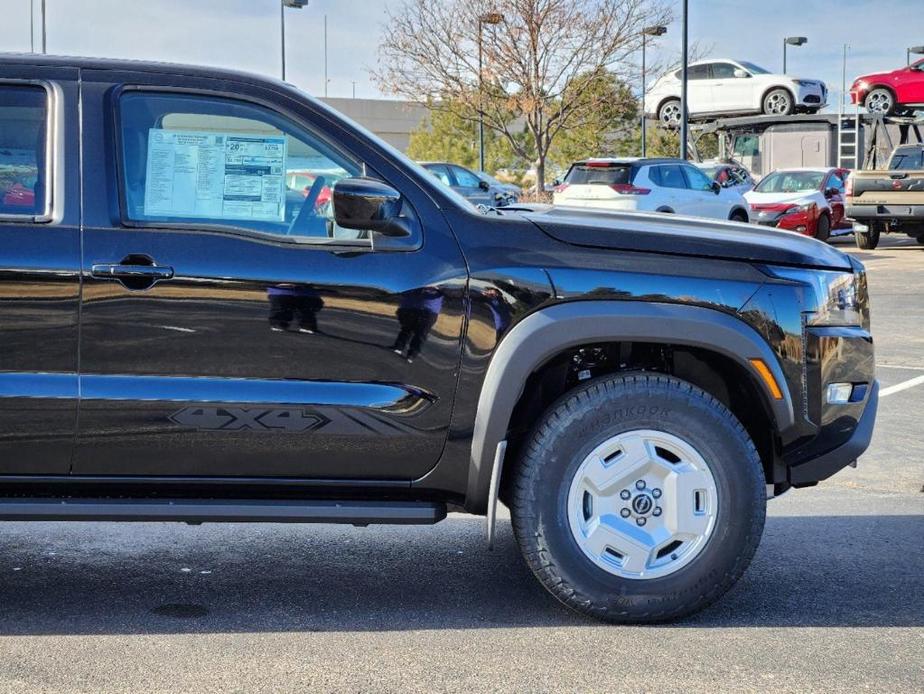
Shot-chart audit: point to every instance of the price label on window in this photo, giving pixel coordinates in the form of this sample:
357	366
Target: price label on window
215	175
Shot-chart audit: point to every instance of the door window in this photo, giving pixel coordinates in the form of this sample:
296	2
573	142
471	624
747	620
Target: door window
696	179
700	72
23	151
723	71
465	178
441	172
205	161
670	176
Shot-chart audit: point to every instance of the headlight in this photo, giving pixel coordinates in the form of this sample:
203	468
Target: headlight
800	207
861	86
838	297
839	300
806	83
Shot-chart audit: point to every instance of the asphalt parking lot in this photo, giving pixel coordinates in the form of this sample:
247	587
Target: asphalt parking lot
834	600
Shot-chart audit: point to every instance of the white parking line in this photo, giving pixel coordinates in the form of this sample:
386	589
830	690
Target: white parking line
900	367
904	385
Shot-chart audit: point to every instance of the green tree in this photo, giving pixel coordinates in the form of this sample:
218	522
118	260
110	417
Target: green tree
446	136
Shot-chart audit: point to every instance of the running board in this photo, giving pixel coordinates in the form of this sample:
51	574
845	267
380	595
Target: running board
224	511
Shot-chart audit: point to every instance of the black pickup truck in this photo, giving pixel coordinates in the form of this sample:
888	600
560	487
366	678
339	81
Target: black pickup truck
222	301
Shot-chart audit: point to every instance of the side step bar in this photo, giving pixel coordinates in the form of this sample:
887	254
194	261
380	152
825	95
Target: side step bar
223	511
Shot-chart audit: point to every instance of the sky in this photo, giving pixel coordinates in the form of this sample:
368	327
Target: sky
244	34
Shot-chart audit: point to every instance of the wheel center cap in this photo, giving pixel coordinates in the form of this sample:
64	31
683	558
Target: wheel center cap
642	504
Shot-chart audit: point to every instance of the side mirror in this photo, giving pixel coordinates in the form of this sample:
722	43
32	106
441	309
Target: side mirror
831	192
741	74
484	185
716	187
368	204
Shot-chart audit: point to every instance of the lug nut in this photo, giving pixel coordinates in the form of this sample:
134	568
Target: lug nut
656	493
625	513
641	521
657	511
640	484
625	494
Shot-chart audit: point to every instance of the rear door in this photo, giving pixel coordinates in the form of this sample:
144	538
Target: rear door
39	268
220	339
700	90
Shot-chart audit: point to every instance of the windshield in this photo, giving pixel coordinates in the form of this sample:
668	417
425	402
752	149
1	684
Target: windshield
790	182
752	68
710	171
604	174
909	159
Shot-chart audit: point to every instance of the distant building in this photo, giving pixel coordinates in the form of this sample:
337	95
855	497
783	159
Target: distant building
390	119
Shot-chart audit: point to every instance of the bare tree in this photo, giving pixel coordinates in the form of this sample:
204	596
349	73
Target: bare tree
538	62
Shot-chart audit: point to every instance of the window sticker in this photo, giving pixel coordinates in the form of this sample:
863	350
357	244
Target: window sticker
215	175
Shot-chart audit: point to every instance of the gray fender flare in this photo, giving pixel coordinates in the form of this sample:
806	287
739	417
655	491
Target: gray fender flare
545	333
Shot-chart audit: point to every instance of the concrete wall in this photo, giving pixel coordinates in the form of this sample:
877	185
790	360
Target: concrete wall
391	120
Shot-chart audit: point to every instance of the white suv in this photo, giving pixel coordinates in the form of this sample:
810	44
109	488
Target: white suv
649	185
719	87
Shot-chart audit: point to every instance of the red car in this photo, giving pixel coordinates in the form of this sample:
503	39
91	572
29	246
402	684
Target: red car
809	201
887	93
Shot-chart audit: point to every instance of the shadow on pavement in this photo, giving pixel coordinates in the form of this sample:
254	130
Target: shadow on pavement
848	571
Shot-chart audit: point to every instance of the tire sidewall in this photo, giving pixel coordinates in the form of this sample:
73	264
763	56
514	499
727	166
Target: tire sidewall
822	235
721	445
789	97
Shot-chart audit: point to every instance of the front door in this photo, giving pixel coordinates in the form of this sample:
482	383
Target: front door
39	268
229	327
472	187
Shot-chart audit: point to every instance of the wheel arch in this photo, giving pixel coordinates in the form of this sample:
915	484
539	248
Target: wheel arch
547	333
739	208
773	88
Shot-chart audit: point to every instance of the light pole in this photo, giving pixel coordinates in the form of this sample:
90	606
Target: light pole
916	50
647	31
792	41
684	74
294	4
493	18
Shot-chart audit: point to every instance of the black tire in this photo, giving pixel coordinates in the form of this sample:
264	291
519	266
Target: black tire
778	102
880	102
739	216
823	228
868	240
589	415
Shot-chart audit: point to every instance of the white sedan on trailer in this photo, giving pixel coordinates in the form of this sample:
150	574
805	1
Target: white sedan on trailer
726	87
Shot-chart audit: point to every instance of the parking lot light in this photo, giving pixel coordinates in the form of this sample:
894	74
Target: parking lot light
916	50
295	5
792	41
647	31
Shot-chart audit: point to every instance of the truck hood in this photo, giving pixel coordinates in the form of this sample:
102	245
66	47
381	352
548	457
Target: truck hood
685	236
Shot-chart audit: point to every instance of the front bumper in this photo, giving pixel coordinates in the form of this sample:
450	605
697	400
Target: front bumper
885	213
824	465
812	96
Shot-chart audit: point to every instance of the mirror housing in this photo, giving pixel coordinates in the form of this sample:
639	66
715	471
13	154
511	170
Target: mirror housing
716	187
367	204
741	74
484	185
831	192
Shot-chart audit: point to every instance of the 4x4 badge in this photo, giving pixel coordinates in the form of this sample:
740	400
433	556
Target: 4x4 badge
248	419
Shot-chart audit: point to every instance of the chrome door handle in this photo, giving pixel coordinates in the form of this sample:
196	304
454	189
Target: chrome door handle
117	271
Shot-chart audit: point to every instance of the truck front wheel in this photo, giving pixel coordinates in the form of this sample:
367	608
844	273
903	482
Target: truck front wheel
638	498
868	240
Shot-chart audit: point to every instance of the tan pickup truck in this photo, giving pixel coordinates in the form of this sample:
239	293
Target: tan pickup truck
887	201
